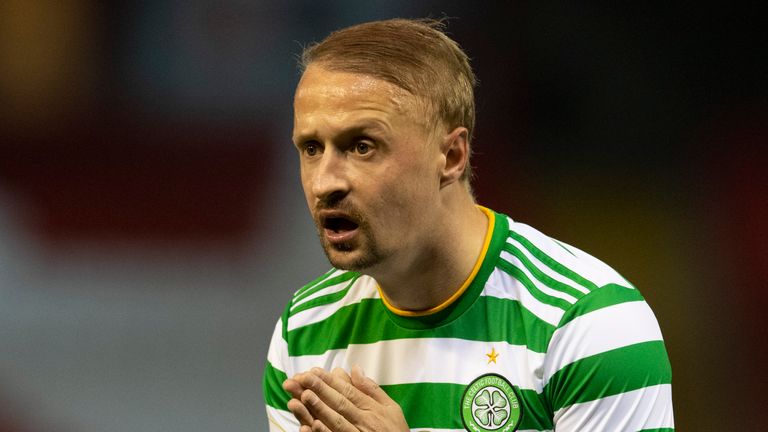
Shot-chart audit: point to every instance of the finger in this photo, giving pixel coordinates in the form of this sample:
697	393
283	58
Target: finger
324	414
340	394
342	375
293	387
300	412
369	387
318	426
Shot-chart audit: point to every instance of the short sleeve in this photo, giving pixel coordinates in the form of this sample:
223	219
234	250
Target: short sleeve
275	372
607	368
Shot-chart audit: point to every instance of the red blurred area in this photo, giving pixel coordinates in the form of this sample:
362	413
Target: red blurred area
170	182
737	169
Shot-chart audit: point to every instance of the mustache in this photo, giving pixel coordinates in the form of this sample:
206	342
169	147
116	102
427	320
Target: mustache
343	206
334	202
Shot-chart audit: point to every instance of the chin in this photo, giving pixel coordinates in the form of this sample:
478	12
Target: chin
349	259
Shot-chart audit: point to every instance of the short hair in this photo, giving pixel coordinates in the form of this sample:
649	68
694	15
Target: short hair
413	54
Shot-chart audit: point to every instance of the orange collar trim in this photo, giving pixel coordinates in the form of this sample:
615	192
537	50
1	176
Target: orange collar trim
486	243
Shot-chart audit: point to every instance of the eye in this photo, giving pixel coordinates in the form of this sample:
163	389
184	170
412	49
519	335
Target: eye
311	149
362	147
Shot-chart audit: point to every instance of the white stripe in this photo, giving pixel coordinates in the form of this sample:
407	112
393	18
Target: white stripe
607	274
281	420
319	293
277	347
501	285
364	287
511	259
599	331
435	360
329	274
545	268
645	408
588	268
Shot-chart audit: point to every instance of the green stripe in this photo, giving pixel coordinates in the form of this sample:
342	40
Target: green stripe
551	262
541	276
518	274
437	405
536	415
325	284
274	395
658	430
429	405
562	245
313	282
324	300
504	321
605	296
610	373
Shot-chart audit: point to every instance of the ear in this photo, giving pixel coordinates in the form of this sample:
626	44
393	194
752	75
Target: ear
455	151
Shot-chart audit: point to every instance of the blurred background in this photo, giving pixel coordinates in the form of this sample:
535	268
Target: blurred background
152	225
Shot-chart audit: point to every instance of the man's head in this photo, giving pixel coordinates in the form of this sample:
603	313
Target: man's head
383	146
414	55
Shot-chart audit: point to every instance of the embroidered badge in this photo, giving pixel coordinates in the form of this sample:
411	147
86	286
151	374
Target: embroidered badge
490	403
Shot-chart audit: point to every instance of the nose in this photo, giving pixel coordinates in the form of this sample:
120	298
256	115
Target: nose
330	181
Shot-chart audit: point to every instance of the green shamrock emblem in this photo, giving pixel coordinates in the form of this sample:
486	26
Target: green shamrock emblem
491	408
490	404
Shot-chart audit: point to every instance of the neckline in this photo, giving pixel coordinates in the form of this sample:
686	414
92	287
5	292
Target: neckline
468	292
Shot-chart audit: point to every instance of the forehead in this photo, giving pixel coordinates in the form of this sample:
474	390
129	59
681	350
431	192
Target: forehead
333	92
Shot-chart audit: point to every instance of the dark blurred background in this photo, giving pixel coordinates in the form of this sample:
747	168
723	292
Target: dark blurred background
152	225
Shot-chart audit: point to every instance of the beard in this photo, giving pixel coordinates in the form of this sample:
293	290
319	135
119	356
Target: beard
354	258
358	255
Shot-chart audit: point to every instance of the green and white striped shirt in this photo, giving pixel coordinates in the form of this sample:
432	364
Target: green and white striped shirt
577	342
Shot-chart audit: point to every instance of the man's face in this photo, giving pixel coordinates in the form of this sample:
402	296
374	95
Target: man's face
369	167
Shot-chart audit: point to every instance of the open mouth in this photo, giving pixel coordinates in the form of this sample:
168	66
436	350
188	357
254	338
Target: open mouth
339	224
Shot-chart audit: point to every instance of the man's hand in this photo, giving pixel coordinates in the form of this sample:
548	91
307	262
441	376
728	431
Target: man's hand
338	402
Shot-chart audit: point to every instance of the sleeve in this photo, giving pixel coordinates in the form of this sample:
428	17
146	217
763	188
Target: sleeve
275	372
607	368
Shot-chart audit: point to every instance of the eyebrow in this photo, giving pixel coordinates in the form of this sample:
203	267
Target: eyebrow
367	125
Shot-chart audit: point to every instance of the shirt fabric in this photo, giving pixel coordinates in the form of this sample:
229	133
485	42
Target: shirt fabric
541	336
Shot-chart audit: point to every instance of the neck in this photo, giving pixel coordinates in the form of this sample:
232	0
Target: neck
440	267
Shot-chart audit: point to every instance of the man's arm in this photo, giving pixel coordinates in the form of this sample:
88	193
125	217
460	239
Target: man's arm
607	367
338	402
275	398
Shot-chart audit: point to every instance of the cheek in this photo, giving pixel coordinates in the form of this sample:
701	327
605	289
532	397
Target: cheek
308	196
305	183
402	200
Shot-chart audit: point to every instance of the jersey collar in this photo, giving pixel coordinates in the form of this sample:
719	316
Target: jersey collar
469	291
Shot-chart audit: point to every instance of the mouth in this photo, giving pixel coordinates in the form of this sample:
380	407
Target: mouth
339	224
339	228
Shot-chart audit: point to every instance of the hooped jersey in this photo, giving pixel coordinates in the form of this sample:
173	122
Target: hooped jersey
540	336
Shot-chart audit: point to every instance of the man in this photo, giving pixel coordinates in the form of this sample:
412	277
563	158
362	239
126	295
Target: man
439	314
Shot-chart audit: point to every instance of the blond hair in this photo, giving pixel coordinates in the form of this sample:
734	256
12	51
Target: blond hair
415	55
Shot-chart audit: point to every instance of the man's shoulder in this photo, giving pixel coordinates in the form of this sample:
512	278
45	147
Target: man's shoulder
549	277
564	259
327	294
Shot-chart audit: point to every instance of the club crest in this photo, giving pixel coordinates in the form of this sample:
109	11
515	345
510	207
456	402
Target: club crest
490	403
